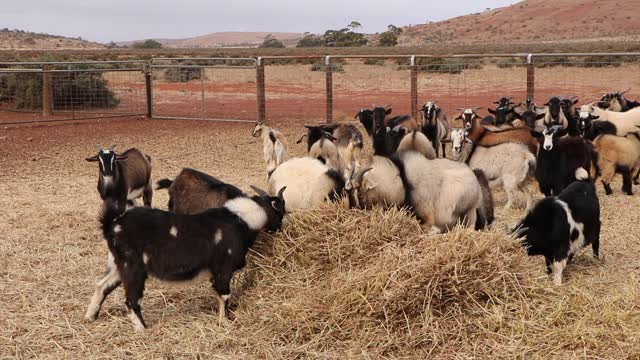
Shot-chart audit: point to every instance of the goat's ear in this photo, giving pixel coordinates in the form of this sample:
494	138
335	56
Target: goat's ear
93	158
575	101
517	116
491	111
535	134
540	116
562	132
357	115
258	190
121	157
300	140
496	102
388	111
594	117
329	136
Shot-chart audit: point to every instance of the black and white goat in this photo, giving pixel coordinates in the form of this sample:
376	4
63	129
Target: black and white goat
435	126
560	226
147	242
123	177
616	101
193	191
561	160
467	116
625	122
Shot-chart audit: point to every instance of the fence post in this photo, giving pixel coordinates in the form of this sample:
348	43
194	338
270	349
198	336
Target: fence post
531	77
260	90
148	78
329	92
414	87
47	92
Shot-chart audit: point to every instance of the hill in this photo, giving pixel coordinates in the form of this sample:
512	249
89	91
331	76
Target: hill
225	39
535	21
26	40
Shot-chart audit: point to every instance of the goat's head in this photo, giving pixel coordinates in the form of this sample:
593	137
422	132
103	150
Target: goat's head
586	118
257	130
273	206
379	113
356	181
107	158
366	119
568	106
529	104
386	140
458	139
429	111
504	102
549	136
554	107
468	115
503	110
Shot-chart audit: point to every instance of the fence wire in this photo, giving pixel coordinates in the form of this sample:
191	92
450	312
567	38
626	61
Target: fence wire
72	91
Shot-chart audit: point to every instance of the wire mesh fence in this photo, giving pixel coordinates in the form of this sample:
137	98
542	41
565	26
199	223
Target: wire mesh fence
34	92
204	89
301	88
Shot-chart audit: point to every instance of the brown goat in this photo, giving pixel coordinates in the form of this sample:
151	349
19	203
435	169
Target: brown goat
480	136
193	191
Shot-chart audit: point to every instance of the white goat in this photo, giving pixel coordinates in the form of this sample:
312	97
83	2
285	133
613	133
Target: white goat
511	165
274	146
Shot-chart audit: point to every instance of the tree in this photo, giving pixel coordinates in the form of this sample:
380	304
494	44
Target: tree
147	44
112	45
394	29
271	42
354	25
310	40
388	38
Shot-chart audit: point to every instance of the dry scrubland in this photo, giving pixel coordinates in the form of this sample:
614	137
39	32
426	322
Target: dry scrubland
334	283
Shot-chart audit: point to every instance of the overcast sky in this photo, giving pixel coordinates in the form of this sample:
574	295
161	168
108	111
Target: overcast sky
106	20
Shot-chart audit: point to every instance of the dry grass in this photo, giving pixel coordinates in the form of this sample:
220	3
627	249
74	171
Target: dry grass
334	283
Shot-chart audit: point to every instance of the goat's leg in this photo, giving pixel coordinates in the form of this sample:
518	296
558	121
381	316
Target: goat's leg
134	280
222	286
104	287
147	194
509	184
526	190
444	153
636	171
470	218
557	267
608	172
627	186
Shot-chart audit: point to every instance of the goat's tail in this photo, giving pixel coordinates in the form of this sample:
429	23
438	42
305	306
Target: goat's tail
163	184
109	214
485	213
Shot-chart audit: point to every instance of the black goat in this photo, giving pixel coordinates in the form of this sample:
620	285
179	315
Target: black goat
559	226
504	113
171	247
366	119
123	177
435	126
561	160
193	191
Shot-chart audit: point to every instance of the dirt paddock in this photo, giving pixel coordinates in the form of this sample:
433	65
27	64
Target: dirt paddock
52	253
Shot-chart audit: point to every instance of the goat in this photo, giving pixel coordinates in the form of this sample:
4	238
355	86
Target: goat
618	154
467	116
366	119
438	208
346	138
480	136
381	119
504	112
559	226
274	146
178	248
561	160
511	165
589	127
123	177
379	184
624	122
615	101
530	118
435	126
193	191
388	141
308	181
554	114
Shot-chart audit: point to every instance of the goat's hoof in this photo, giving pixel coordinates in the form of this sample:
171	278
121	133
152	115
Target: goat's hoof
90	317
435	230
224	322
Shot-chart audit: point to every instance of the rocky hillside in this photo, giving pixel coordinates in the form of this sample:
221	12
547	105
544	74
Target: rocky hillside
25	40
535	21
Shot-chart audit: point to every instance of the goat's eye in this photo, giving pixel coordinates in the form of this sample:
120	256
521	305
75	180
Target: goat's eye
274	204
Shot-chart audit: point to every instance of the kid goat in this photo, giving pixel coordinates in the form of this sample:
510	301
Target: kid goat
151	242
123	177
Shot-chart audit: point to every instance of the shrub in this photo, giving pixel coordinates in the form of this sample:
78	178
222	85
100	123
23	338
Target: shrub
271	42
78	90
320	66
373	61
388	38
147	44
310	40
184	74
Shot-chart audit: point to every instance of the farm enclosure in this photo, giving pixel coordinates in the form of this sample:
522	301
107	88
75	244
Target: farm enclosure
356	287
300	88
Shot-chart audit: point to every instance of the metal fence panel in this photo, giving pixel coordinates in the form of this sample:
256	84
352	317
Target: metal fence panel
204	89
45	92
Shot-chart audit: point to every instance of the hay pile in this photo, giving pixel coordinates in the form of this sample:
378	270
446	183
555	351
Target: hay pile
338	281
